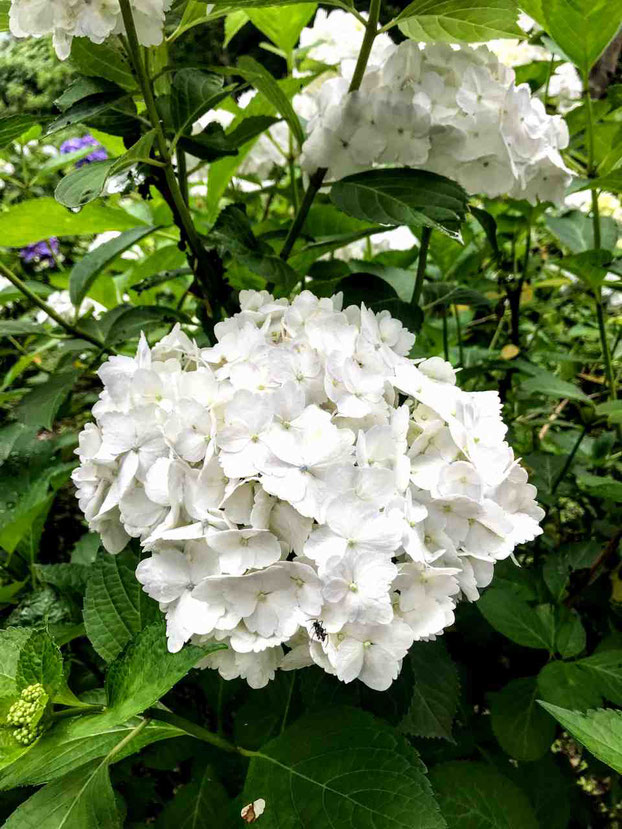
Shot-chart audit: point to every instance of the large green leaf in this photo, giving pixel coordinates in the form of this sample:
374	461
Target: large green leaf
583	28
82	800
40	406
522	728
283	25
565	684
34	219
12	640
476	796
115	606
435	692
341	768
74	742
81	186
146	670
102	61
600	731
454	21
604	670
402	197
90	266
528	626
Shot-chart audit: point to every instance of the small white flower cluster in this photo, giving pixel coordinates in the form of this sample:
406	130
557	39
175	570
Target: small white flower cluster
60	301
307	493
454	111
95	19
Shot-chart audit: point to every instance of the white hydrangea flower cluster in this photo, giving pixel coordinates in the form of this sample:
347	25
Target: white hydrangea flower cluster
305	492
95	19
454	111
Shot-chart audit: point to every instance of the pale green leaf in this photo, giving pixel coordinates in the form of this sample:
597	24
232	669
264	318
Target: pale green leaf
282	25
600	731
455	21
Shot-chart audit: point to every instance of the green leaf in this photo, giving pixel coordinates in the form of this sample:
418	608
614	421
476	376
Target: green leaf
19	328
612	409
575	231
102	61
132	320
435	692
589	265
192	94
341	764
563	683
66	576
411	316
84	185
40	406
115	606
233	233
604	670
527	626
523	730
553	386
262	80
34	219
454	21
73	742
12	126
489	226
90	107
82	800
570	633
40	661
402	197
201	804
234	21
282	25
146	670
583	28
12	640
600	731
601	486
476	796
92	264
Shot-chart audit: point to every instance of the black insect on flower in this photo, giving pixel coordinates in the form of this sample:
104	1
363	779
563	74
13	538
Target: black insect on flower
319	630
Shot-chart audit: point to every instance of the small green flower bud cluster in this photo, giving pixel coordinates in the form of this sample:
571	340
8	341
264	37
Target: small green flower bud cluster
24	714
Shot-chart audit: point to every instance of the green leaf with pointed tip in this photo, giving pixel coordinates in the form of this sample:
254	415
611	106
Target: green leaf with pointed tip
456	21
40	661
73	742
201	804
34	219
522	728
264	83
12	640
282	25
86	271
435	692
40	406
341	767
476	796
146	670
600	731
102	61
527	626
563	683
604	670
402	197
582	28
115	606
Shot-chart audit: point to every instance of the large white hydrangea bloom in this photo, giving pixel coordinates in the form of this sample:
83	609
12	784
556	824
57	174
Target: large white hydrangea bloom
455	111
95	19
304	491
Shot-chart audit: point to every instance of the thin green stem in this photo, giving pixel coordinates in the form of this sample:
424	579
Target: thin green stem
196	731
66	713
566	467
128	739
421	265
604	344
71	329
182	173
317	179
591	169
459	335
596	220
184	217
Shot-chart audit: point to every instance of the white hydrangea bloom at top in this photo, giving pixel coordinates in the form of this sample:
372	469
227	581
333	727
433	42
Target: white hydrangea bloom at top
95	19
306	493
454	111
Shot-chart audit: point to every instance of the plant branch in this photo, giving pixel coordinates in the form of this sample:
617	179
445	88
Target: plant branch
604	344
41	303
566	467
317	179
196	731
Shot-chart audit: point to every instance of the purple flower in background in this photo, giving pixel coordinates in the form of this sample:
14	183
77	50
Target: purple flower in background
44	251
74	144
